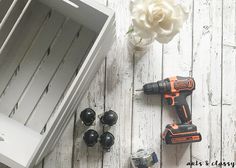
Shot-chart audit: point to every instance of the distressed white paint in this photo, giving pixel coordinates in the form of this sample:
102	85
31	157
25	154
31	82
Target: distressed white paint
229	80
177	60
206	100
20	41
48	68
62	73
204	28
207	72
146	126
61	80
16	139
81	155
30	63
119	89
94	98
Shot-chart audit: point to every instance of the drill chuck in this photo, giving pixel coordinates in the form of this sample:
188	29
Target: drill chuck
151	88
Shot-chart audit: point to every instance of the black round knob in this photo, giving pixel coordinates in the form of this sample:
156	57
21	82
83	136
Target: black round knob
107	140
109	118
88	116
90	137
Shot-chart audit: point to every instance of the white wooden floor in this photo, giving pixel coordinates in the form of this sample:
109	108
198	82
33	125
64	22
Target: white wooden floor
205	49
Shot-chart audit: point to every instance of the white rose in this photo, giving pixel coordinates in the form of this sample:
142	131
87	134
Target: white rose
160	19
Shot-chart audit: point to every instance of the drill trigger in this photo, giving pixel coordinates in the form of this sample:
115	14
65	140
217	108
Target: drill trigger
170	98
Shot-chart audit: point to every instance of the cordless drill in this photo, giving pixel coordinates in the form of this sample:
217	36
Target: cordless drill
175	91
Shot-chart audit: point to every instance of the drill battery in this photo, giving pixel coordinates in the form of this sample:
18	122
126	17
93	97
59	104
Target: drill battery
182	133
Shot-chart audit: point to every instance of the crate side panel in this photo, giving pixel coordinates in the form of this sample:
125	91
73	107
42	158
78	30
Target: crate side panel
30	63
90	17
47	71
17	142
60	81
20	42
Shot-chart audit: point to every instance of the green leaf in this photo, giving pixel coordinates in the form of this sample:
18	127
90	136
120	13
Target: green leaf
130	30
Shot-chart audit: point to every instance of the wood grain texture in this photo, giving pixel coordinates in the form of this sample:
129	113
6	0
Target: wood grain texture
146	126
10	19
30	64
207	72
71	146
4	6
119	81
229	80
47	71
61	156
177	60
198	51
61	79
85	157
20	42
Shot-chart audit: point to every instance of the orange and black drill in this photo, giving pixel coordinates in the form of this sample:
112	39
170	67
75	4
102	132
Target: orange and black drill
175	90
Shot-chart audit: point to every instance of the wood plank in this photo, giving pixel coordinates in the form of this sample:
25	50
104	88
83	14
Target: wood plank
146	127
30	63
229	80
177	61
20	42
228	105
207	72
47	70
10	19
4	6
94	98
61	157
60	81
119	82
39	165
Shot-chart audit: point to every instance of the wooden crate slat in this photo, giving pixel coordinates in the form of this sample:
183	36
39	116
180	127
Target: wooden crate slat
4	6
30	63
60	81
18	142
46	71
20	42
66	118
5	27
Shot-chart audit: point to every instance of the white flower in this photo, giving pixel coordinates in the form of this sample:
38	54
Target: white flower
160	19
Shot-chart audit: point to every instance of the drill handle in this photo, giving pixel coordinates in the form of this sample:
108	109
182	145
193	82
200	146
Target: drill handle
182	109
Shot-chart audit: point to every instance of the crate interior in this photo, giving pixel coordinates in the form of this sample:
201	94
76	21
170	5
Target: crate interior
9	12
42	58
4	6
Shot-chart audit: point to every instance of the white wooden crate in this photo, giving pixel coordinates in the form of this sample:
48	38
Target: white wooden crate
49	52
